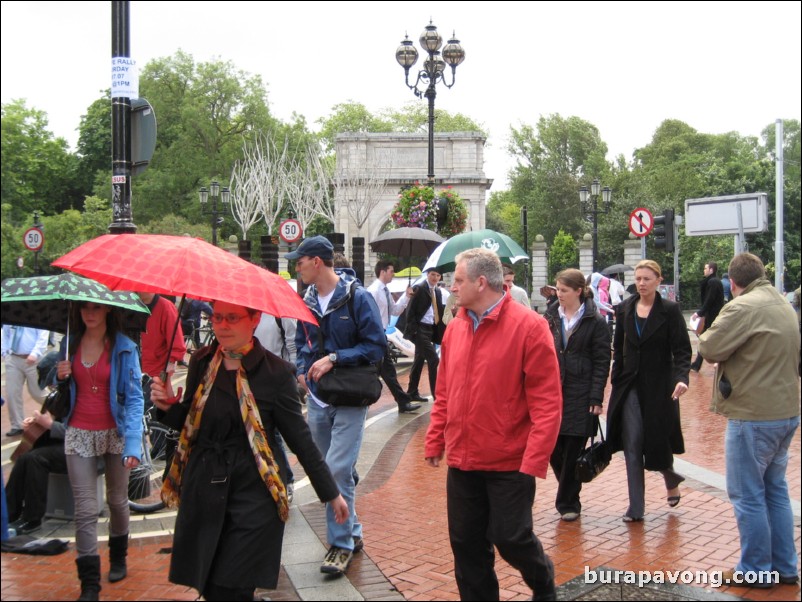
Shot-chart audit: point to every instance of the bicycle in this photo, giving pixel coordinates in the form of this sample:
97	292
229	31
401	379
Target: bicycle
145	481
203	334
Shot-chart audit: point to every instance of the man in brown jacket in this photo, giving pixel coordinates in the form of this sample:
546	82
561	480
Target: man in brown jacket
755	340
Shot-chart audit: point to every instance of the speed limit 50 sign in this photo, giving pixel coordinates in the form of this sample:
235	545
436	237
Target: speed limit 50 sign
290	231
33	239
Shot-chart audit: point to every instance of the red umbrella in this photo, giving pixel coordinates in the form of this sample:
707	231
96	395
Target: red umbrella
182	265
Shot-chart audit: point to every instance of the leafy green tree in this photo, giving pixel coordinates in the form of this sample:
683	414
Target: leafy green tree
205	113
37	170
94	145
553	160
412	117
563	254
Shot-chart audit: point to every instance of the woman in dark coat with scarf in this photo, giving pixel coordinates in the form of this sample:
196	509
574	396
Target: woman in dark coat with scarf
233	502
651	360
582	341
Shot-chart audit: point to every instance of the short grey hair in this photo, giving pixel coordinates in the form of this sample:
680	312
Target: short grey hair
482	262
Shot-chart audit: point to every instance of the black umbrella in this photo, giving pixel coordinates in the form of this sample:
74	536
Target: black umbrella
407	242
616	268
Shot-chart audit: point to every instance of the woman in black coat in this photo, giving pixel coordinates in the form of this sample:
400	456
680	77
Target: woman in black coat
233	503
582	341
651	360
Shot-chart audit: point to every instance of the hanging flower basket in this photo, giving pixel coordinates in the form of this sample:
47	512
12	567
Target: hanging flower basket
417	206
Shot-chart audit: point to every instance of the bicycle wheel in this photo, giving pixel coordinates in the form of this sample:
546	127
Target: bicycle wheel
145	481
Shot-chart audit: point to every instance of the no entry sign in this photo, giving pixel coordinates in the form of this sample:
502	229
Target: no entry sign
641	222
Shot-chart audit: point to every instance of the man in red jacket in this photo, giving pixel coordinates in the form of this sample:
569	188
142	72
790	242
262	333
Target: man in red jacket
496	418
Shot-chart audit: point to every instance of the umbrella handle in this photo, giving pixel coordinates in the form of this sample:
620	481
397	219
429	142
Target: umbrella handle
67	346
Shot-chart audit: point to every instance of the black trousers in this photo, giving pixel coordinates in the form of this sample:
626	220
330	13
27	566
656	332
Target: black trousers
26	490
487	508
390	377
424	352
563	462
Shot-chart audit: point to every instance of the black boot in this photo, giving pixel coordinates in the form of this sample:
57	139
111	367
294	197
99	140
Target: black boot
118	550
89	574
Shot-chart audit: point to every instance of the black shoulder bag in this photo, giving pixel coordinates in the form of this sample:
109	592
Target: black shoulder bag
354	386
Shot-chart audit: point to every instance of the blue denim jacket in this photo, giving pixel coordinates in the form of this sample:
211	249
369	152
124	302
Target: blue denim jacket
126	400
357	340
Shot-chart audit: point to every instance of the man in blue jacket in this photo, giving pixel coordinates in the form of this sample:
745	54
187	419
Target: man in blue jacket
352	334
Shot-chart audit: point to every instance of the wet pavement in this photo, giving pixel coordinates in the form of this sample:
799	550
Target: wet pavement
401	503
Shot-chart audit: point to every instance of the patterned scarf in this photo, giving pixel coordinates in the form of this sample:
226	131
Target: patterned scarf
171	489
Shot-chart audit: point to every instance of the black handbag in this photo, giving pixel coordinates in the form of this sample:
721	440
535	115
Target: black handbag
57	401
594	458
355	386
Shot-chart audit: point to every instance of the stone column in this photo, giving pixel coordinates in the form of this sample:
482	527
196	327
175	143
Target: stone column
632	255
586	255
232	245
540	272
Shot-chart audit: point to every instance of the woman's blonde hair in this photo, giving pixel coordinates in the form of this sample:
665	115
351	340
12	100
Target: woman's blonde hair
650	264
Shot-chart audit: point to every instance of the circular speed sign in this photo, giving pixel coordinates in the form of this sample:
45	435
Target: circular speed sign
33	239
290	230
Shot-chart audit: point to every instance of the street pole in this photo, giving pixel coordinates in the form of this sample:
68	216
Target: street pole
121	127
589	202
431	93
216	193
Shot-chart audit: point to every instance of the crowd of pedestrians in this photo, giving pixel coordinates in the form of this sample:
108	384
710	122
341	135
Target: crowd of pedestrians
513	393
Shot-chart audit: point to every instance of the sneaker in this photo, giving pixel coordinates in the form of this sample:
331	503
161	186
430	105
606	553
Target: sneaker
336	561
570	516
358	544
290	487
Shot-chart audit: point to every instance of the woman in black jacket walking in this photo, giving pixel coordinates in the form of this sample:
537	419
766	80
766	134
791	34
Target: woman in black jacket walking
582	341
651	360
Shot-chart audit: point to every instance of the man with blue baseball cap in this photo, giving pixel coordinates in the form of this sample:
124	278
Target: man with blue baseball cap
352	333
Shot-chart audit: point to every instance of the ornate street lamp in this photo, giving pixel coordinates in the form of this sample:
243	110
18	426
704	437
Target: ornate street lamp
217	216
433	71
589	200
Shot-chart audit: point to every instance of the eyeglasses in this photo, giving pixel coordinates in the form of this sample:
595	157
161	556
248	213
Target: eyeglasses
230	318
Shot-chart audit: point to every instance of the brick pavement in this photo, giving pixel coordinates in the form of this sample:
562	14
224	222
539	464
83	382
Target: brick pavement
402	506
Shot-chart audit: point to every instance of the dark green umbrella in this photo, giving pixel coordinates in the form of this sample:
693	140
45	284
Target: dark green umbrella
443	257
43	301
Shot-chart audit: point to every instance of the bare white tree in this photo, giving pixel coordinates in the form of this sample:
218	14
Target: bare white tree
360	181
309	188
260	181
244	198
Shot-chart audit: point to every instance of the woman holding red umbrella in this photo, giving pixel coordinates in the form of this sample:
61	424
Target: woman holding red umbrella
230	485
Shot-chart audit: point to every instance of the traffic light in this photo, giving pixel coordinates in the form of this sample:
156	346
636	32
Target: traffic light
664	231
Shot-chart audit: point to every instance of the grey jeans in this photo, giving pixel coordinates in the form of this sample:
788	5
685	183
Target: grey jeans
83	480
632	435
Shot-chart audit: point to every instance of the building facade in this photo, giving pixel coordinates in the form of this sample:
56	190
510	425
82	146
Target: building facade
402	159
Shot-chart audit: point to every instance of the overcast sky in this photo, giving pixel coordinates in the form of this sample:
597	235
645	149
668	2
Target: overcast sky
622	66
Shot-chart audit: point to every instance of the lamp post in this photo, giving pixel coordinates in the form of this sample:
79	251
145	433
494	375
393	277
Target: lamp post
217	216
432	72
589	200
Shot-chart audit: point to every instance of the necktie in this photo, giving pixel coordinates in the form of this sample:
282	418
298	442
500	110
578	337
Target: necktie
434	307
16	340
387	298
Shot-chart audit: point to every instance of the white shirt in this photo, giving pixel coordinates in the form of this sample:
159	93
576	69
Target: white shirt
617	292
377	288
